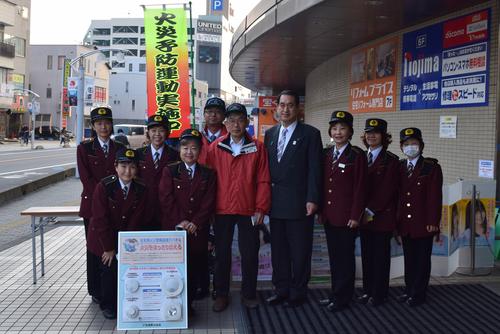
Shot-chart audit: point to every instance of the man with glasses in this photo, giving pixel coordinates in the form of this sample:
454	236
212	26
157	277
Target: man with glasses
243	198
295	153
214	111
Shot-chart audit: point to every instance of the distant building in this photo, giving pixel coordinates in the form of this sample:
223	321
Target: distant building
14	34
46	75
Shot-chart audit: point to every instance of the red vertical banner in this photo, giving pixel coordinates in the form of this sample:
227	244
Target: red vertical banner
167	66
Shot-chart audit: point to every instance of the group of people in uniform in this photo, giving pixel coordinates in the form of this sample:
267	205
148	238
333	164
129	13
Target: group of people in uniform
222	177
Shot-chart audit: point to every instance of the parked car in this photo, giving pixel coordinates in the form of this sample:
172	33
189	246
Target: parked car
136	133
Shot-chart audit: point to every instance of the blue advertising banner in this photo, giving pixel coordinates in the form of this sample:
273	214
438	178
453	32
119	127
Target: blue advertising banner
446	64
152	280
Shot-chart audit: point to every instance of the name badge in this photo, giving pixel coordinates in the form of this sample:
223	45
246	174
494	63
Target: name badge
341	165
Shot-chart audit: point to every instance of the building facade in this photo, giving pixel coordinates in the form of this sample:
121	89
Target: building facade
14	36
46	79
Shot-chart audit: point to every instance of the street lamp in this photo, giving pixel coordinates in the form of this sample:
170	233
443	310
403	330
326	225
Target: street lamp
33	114
81	70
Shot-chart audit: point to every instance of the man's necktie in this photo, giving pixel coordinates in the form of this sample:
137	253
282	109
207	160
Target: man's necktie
212	138
335	156
125	192
190	173
370	159
281	144
157	160
105	150
409	170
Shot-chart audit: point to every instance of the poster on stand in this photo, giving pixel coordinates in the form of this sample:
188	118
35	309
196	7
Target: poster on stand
152	280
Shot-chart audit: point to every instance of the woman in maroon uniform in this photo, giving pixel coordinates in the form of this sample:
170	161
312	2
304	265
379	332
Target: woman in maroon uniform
187	194
95	159
153	158
344	193
379	221
419	213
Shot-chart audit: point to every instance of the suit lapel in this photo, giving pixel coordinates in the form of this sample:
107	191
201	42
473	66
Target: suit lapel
273	145
293	143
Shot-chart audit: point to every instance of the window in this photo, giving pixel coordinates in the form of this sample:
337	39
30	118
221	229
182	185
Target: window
125	29
19	43
117	64
105	53
102	42
133	105
130	67
60	62
142	67
131	52
126	86
142	53
125	41
102	31
49	92
49	62
23	11
142	30
143	41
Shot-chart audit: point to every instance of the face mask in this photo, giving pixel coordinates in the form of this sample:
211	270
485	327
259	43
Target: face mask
411	151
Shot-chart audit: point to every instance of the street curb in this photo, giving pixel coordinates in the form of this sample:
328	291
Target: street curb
19	191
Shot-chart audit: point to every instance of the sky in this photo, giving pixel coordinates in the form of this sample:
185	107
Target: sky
66	22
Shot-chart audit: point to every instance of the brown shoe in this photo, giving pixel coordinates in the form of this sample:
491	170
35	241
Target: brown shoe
250	302
220	304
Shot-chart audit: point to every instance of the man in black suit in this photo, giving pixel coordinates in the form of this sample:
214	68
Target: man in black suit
294	152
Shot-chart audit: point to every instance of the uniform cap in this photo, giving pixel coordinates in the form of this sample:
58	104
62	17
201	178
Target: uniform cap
341	116
161	120
100	113
408	133
375	124
126	155
215	102
191	134
236	108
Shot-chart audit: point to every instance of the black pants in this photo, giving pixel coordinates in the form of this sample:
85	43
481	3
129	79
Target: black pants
417	256
376	259
340	242
197	260
291	249
248	242
93	271
109	283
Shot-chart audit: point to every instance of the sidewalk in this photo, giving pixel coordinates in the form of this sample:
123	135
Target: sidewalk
15	146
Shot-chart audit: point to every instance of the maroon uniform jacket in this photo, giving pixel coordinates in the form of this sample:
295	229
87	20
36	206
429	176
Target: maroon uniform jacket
93	166
112	213
147	172
382	192
193	200
344	186
420	199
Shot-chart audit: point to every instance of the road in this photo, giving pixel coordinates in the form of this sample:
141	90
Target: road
20	167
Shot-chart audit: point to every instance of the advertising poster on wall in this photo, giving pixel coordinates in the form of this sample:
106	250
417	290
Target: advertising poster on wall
445	65
373	78
152	280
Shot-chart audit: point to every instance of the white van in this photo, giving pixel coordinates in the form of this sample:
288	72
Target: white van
136	133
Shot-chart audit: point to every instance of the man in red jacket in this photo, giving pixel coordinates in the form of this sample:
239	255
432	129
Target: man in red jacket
419	213
243	198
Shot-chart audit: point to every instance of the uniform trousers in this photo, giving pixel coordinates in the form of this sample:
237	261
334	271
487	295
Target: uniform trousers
376	260
248	242
93	271
291	249
109	283
417	256
340	241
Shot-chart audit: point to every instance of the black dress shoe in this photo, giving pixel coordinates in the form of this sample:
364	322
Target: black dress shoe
376	302
412	302
325	302
275	300
402	298
335	307
109	314
363	299
290	303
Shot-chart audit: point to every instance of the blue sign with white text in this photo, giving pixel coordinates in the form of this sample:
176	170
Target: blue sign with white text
445	65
